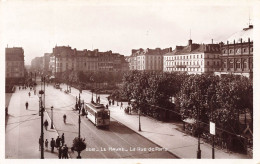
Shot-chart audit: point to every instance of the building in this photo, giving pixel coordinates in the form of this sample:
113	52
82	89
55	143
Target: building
193	58
46	62
14	68
67	59
37	64
237	54
149	59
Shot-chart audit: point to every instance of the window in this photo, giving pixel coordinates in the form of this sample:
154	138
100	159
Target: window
231	65
237	64
207	62
251	49
230	51
244	50
245	64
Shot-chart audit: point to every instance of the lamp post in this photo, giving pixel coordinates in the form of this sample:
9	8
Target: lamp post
42	134
139	113
79	107
51	117
198	125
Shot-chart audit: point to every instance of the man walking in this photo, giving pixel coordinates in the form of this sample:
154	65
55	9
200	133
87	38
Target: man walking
58	142
40	143
52	145
121	106
29	94
46	144
62	139
46	124
65	152
60	152
26	105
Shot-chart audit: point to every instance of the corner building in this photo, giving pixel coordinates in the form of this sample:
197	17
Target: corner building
14	68
237	54
193	58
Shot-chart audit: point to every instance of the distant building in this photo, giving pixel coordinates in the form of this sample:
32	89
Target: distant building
14	68
46	62
37	64
237	54
149	59
193	58
67	59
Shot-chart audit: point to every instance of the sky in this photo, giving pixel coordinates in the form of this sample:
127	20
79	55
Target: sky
120	26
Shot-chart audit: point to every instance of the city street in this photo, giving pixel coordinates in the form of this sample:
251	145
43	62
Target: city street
23	130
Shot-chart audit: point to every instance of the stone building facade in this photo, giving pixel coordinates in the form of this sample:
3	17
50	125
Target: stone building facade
237	54
64	58
193	58
14	68
149	59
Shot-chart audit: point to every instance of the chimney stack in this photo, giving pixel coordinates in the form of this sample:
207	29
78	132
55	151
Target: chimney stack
190	42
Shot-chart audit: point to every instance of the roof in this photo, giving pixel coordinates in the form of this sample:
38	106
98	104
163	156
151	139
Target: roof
194	49
243	34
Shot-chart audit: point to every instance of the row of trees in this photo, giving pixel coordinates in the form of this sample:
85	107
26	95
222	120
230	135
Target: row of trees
87	79
221	100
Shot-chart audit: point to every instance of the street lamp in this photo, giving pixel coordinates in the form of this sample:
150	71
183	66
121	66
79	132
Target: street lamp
139	113
51	117
79	107
42	134
198	126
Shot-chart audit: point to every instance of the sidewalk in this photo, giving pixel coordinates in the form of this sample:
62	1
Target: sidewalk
163	134
23	128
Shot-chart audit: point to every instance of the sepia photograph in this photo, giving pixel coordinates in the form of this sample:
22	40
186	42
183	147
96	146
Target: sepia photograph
128	79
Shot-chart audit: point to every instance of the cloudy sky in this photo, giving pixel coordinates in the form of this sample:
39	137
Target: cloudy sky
120	26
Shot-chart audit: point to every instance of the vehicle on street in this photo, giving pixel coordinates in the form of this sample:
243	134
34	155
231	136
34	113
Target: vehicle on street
57	86
98	114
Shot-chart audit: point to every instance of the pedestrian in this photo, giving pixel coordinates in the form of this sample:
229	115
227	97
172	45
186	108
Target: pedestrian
113	102
58	142
109	102
40	142
35	92
98	99
29	94
65	152
62	139
46	144
46	124
121	106
6	110
107	106
19	87
26	105
52	145
60	152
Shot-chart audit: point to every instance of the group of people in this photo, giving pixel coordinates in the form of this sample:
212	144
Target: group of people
59	144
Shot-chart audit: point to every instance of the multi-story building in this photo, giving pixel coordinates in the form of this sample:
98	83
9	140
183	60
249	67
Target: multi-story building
64	58
237	54
193	58
46	62
37	64
14	68
149	59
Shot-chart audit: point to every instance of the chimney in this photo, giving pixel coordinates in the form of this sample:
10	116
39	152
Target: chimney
190	42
